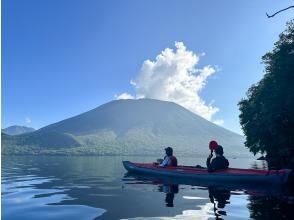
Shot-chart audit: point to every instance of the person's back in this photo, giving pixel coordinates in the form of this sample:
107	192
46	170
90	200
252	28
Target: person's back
219	162
173	161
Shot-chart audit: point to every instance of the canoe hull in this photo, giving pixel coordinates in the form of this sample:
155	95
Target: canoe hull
196	174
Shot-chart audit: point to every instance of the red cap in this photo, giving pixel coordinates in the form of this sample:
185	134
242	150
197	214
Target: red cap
213	145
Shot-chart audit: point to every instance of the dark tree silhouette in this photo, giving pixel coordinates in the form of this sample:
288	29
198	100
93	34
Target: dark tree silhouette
267	114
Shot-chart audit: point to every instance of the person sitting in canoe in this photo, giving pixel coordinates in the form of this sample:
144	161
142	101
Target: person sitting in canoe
219	162
169	159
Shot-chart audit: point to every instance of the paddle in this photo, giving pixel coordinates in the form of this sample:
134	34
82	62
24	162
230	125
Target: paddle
212	146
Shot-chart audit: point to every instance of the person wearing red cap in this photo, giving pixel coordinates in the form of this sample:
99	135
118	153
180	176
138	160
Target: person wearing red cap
219	162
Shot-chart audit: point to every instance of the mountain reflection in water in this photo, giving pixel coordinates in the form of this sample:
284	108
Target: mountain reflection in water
99	188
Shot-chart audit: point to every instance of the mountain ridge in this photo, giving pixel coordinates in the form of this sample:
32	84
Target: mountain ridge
124	127
51	126
17	129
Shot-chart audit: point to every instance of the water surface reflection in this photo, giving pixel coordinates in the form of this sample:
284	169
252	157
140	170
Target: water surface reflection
99	188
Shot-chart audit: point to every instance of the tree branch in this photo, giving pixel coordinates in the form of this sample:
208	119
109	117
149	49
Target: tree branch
270	16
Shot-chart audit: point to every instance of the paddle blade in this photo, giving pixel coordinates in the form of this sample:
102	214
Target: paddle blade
213	145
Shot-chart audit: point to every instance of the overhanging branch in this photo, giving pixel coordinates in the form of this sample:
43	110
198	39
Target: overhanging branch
270	16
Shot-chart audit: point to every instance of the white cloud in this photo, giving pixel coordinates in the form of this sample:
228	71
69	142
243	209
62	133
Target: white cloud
124	96
201	212
173	76
28	120
219	122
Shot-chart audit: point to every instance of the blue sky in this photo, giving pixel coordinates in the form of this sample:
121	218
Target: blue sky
64	57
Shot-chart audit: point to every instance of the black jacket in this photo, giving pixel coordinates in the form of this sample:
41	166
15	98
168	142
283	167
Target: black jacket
218	163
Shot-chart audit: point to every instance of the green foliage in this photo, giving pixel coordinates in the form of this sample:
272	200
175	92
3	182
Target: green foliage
45	140
267	114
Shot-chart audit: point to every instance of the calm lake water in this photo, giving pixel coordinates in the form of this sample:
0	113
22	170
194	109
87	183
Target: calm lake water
98	188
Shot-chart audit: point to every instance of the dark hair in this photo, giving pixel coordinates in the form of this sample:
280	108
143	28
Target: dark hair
219	150
169	151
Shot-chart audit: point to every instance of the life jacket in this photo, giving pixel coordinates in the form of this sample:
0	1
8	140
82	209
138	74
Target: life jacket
173	161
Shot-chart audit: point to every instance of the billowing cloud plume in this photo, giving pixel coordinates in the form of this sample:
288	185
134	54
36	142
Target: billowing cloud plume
28	120
124	96
173	76
219	122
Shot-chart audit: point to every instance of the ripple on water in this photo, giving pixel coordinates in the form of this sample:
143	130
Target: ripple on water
22	200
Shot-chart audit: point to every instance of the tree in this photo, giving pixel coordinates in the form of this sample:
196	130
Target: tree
267	113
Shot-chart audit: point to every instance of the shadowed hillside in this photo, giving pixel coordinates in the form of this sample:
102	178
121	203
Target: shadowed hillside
16	130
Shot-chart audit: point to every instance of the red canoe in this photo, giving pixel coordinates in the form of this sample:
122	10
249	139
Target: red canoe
191	173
